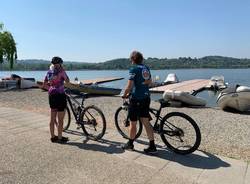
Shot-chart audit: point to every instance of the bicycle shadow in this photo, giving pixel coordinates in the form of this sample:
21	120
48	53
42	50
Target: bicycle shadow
74	132
103	145
199	159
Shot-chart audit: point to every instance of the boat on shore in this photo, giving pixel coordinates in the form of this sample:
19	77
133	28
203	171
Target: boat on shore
235	97
17	82
8	84
93	89
184	98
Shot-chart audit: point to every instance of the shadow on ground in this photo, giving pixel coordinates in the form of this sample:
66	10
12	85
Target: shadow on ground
103	145
201	159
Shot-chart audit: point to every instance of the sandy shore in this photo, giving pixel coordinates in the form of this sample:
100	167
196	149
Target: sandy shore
223	133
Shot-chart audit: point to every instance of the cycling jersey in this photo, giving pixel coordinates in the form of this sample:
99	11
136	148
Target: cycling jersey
139	74
56	78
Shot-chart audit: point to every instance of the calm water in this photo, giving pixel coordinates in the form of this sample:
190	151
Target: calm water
232	76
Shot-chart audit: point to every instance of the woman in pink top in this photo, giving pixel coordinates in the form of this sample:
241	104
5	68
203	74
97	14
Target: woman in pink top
57	99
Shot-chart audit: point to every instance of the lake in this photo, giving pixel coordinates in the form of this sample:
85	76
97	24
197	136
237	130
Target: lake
232	76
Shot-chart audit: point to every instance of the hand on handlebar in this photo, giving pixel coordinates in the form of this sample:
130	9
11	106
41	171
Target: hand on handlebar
125	96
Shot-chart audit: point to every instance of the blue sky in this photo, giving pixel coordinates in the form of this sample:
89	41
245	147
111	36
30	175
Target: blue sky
99	30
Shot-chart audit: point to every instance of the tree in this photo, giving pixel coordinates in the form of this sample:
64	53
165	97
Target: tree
8	50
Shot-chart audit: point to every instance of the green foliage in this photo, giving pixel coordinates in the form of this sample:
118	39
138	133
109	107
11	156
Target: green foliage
153	63
8	50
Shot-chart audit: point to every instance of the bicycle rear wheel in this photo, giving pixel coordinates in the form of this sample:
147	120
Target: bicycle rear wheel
122	123
67	119
93	122
180	133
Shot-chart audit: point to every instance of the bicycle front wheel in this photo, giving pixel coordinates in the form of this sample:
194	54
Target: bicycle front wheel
180	133
67	119
93	122
122	123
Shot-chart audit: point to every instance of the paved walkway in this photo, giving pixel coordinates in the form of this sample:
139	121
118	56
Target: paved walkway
27	156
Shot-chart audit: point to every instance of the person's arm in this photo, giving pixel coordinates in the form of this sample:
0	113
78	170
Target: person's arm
130	84
148	82
45	82
66	78
128	88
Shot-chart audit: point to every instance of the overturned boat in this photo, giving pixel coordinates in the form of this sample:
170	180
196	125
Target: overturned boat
236	97
184	97
8	84
17	82
26	83
93	89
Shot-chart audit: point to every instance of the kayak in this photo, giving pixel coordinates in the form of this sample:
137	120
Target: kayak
93	89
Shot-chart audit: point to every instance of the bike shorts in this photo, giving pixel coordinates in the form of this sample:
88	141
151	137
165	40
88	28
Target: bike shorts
138	109
58	101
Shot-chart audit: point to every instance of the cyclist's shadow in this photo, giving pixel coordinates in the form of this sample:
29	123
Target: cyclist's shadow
199	159
103	145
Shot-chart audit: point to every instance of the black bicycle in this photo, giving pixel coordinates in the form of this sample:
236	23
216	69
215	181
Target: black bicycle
89	118
177	130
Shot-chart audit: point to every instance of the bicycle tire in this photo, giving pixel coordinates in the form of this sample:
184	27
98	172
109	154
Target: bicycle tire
166	137
89	123
120	125
67	119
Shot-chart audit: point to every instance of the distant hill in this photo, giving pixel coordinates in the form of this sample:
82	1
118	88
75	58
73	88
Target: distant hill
124	63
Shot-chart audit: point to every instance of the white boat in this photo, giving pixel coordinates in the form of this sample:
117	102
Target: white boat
171	79
237	97
183	97
217	83
25	84
8	84
15	81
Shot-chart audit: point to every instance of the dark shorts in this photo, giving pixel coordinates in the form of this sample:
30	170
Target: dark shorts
57	101
138	109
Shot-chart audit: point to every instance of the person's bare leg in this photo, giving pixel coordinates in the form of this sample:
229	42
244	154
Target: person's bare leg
150	132
53	114
148	127
132	130
60	115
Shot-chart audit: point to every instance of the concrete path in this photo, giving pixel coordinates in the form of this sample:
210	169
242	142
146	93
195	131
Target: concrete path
27	156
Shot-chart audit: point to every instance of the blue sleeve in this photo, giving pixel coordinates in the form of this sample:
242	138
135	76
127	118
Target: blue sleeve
132	74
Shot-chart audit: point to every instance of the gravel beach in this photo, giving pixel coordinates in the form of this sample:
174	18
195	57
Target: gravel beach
223	133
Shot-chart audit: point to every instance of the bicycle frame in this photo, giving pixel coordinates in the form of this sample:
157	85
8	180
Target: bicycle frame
78	106
155	112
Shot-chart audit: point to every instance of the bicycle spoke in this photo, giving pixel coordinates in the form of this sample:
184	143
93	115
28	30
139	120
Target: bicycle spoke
122	123
179	133
93	122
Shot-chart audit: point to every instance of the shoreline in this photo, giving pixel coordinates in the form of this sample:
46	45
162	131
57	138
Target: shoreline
223	133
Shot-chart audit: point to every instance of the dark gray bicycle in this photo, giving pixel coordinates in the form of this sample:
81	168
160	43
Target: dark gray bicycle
178	131
90	118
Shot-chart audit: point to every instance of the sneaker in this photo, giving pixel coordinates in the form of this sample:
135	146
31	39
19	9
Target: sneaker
54	139
63	140
150	149
128	146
